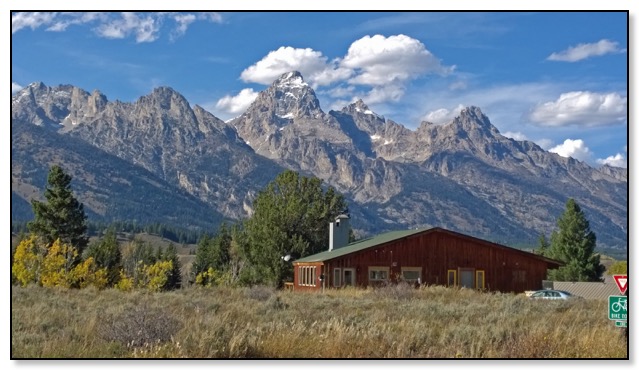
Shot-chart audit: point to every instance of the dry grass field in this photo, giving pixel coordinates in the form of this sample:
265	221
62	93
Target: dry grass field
259	322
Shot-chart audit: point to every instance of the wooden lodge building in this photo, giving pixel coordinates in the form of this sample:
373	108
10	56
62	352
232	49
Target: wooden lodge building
431	256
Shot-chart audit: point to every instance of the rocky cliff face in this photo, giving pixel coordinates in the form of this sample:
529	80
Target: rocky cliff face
463	175
190	149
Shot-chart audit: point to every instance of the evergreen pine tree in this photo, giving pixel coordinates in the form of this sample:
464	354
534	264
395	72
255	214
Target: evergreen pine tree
106	254
159	254
61	216
219	256
175	276
202	255
292	215
574	243
544	246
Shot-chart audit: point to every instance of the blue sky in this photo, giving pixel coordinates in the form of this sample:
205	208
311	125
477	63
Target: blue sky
558	79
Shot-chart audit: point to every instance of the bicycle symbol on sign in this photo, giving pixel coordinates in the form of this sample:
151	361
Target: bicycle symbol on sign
621	304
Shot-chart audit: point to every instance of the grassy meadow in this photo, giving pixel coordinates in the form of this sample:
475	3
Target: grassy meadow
259	322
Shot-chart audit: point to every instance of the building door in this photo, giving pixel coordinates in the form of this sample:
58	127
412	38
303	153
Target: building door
467	278
349	277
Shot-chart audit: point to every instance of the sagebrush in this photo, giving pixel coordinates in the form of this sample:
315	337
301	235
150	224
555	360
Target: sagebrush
221	322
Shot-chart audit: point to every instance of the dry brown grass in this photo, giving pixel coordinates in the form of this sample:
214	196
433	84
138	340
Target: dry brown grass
432	322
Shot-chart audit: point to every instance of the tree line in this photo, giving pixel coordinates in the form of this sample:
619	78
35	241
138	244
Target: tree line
97	228
57	252
290	216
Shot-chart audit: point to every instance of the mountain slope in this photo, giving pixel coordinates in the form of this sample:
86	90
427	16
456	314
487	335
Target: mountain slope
190	149
378	163
110	188
463	175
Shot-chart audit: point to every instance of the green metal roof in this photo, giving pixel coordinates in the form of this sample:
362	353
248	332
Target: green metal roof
394	235
359	245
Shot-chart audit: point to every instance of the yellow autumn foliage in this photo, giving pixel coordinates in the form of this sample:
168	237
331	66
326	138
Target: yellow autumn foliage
27	262
54	267
87	273
157	275
125	283
208	278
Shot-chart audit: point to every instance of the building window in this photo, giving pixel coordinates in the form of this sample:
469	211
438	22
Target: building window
376	273
479	279
337	277
307	275
452	277
412	274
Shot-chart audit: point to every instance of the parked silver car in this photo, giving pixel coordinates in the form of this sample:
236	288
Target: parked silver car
552	294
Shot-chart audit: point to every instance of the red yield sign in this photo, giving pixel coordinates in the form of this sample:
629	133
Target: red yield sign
622	282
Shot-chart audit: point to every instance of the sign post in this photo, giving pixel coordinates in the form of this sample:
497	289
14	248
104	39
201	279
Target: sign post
621	324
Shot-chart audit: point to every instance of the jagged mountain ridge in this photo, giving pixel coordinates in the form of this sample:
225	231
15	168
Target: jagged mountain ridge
109	187
468	150
463	175
188	148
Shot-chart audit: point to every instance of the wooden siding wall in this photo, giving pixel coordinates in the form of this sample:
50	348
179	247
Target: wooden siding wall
436	253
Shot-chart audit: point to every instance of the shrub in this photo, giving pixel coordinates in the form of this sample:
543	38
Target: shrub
156	276
209	278
27	262
259	292
125	283
55	267
141	326
400	290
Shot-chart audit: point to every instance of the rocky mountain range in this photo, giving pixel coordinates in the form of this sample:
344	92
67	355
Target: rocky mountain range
159	159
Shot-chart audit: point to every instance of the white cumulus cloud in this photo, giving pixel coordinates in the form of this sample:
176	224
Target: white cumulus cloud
618	160
63	20
183	21
144	26
443	115
341	92
582	108
545	143
515	135
573	148
313	65
32	20
383	64
386	93
587	50
238	103
380	60
15	88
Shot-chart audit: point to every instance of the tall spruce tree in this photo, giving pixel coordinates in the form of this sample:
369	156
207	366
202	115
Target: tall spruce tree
574	244
61	216
543	245
217	252
291	215
220	248
202	255
175	276
106	254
